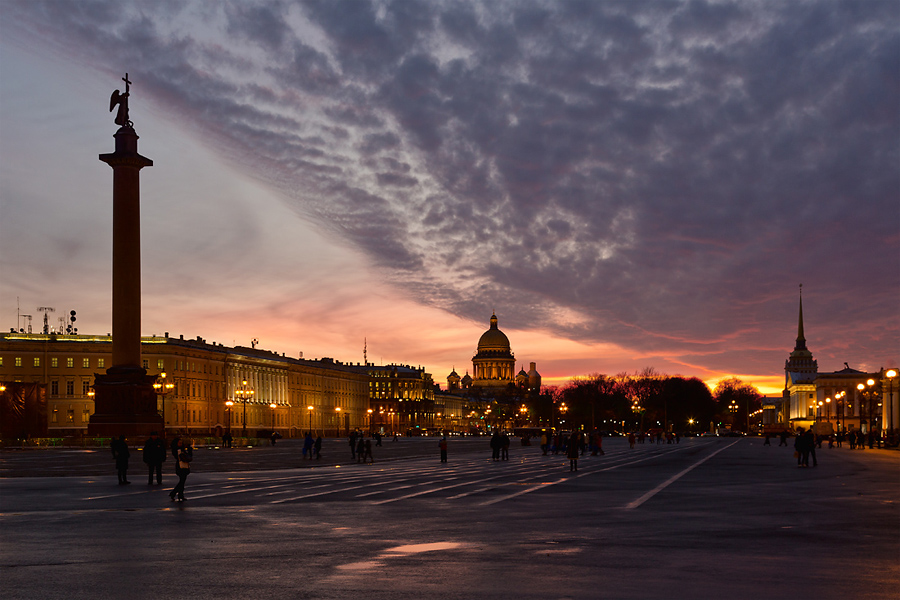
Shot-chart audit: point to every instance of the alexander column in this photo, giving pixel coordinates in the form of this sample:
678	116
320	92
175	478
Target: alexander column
125	401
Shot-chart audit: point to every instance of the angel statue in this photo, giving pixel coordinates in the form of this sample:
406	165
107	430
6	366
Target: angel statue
122	100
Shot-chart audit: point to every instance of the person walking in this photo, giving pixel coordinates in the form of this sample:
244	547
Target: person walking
572	452
353	446
367	452
504	446
768	441
810	445
443	446
800	449
317	447
631	440
121	453
360	450
154	455
783	436
308	445
544	442
495	446
183	456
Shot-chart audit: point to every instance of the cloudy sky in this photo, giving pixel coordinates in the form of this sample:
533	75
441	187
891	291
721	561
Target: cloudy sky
627	184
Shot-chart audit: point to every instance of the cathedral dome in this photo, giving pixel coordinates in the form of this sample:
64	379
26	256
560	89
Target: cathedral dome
493	340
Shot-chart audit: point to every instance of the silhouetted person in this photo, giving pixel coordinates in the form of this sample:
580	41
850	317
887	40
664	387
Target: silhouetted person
504	446
784	436
631	440
317	447
308	445
496	443
572	452
544	443
810	445
154	455
353	446
367	452
443	446
226	439
768	441
184	454
121	453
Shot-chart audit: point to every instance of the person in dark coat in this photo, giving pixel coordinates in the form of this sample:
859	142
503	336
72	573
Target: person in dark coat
573	451
317	447
353	445
308	445
184	454
496	444
360	449
154	455
810	445
121	453
504	446
800	448
443	446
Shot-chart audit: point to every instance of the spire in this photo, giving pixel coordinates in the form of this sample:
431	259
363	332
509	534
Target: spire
801	340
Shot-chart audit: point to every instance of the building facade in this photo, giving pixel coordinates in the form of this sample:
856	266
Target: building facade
288	395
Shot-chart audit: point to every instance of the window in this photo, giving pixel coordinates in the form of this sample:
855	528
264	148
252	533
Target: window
85	386
18	361
70	362
70	416
54	418
54	387
86	363
85	416
146	363
160	364
37	361
101	363
70	388
54	362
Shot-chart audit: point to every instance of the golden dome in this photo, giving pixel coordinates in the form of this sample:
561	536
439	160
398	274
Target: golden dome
493	340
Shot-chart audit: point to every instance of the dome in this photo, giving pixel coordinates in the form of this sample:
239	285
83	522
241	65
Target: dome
493	340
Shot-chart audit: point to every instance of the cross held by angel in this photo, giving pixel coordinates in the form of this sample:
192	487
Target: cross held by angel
122	100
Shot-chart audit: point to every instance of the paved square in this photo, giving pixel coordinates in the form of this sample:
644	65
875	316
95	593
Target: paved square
706	518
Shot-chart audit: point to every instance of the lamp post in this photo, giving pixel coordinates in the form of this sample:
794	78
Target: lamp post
891	374
228	405
369	424
310	408
162	388
273	406
866	392
337	413
245	393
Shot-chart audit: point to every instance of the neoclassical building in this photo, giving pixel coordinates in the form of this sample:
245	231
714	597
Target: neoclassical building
493	367
844	400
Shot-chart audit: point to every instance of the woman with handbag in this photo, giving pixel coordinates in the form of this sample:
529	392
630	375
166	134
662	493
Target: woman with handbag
184	455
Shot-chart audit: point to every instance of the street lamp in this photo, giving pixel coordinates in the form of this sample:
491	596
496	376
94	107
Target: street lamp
273	406
890	374
337	429
369	425
310	409
245	393
162	388
228	405
867	394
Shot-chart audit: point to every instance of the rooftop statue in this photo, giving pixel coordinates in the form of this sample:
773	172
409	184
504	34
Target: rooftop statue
122	100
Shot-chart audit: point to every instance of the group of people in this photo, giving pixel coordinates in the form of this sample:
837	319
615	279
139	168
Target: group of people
312	446
154	455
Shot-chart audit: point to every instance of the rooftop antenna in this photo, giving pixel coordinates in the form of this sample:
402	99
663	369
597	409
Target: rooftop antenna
29	322
46	310
365	350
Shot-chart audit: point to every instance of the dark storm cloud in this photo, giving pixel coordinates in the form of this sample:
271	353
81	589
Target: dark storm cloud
666	171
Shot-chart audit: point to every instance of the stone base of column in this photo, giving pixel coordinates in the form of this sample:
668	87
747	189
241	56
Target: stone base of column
124	404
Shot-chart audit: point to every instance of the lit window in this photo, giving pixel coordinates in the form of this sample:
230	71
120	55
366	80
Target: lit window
37	361
86	362
70	416
85	415
160	364
54	362
70	362
55	416
101	363
18	361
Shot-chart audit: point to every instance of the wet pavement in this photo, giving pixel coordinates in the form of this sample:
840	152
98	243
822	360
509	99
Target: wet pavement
706	518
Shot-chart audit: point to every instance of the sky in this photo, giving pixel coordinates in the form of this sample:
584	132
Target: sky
625	184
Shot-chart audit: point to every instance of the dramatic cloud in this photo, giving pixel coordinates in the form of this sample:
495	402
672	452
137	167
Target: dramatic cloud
657	175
